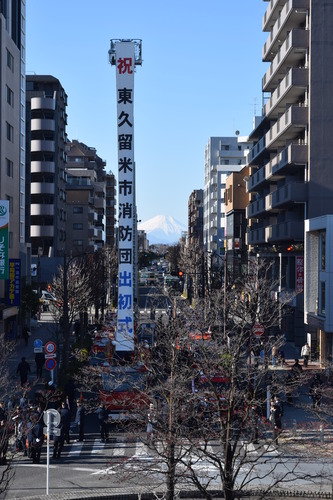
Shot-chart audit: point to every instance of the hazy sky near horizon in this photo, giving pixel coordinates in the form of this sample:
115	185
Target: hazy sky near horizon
201	77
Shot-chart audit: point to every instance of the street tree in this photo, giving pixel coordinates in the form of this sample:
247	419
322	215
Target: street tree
72	289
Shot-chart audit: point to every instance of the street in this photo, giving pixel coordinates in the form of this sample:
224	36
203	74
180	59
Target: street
124	462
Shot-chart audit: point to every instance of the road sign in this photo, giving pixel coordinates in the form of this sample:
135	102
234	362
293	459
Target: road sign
54	417
38	349
38	343
50	347
258	330
50	364
49	356
53	430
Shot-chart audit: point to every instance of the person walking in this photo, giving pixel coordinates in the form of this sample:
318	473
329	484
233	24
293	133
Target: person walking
65	416
275	418
26	334
315	391
39	360
58	442
80	419
23	369
102	416
305	353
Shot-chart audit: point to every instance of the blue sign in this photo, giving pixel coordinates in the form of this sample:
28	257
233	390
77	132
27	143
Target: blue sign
14	282
50	364
38	343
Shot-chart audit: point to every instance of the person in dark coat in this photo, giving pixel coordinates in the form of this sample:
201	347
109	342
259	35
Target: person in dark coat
26	334
102	416
23	369
65	420
39	360
80	419
58	442
276	421
37	439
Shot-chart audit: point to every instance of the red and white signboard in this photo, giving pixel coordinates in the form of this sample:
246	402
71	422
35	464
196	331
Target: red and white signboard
258	330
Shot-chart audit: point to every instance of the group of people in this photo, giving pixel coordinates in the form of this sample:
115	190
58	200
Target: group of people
24	369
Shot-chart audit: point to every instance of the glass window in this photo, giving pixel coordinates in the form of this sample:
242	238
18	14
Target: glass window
9	132
77	210
9	167
322	298
9	96
322	243
77	225
10	61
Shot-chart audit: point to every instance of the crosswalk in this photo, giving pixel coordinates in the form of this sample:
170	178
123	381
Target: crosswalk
120	450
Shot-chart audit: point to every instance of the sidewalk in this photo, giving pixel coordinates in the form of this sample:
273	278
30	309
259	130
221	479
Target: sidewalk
45	330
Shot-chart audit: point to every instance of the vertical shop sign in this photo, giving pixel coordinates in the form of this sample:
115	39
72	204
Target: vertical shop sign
299	274
4	221
14	282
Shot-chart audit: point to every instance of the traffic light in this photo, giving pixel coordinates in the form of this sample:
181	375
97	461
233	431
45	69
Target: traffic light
180	274
290	248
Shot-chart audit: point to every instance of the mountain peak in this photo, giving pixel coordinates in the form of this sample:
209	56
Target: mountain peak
162	229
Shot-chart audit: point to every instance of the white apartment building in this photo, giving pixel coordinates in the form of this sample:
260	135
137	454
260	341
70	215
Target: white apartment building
223	155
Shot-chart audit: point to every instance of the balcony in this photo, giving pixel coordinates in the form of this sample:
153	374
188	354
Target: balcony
42	124
43	103
289	194
272	13
291	53
256	236
256	151
42	209
256	208
288	91
256	180
292	14
38	145
42	188
40	167
291	158
285	231
287	127
42	231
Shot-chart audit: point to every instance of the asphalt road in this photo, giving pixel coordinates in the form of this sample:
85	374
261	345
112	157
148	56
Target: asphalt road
125	462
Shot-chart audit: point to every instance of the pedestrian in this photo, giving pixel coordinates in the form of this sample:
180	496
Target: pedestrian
80	419
305	353
23	369
65	417
58	442
275	419
275	353
254	421
103	416
296	369
39	360
36	439
279	403
151	419
26	334
315	391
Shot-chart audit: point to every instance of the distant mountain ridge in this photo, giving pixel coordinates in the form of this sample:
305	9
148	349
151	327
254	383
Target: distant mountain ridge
162	229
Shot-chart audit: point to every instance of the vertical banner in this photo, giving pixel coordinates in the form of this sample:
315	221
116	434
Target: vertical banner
125	62
299	274
4	220
14	282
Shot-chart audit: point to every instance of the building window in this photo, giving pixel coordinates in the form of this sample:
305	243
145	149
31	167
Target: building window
9	96
10	202
225	147
322	250
78	225
322	298
9	132
10	61
78	243
9	168
77	210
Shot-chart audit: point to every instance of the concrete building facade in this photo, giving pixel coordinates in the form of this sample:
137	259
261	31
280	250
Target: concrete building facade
46	165
12	150
290	160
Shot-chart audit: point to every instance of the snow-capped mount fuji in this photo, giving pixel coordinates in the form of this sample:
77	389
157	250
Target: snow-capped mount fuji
162	229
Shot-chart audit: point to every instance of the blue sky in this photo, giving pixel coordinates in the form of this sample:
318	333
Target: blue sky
201	77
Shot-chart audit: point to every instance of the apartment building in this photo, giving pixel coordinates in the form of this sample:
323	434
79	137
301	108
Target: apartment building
46	120
12	160
290	160
85	199
195	219
223	155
